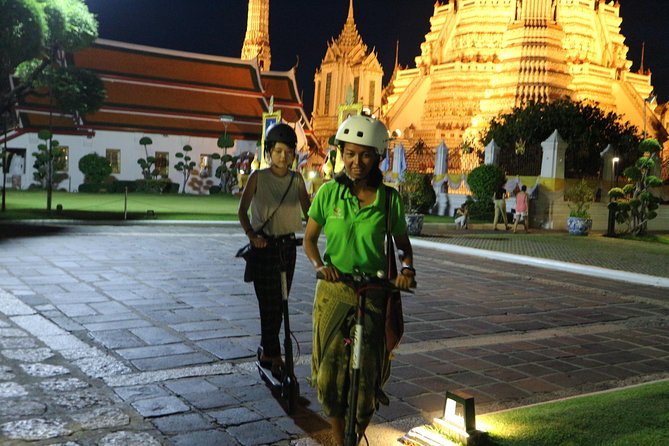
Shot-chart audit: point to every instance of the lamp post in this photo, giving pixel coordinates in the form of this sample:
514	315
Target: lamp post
614	176
647	102
226	120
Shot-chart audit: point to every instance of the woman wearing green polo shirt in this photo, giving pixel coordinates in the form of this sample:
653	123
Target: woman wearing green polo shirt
351	211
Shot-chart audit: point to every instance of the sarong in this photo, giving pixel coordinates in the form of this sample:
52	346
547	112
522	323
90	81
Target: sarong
333	321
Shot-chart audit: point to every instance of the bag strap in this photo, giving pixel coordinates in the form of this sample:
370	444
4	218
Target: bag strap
391	265
292	177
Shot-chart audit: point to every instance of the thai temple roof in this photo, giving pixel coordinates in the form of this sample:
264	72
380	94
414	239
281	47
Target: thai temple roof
173	92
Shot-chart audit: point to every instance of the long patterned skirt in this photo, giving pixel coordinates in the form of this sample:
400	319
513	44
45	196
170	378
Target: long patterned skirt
333	327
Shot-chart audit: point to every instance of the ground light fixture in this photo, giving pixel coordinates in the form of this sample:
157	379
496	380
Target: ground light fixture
457	426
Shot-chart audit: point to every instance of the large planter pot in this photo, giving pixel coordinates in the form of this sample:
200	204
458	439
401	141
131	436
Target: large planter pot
414	223
579	226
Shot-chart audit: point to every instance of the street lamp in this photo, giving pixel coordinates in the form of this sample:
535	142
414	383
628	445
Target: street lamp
614	176
647	102
226	120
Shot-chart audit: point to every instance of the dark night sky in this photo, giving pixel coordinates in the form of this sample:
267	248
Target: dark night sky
304	27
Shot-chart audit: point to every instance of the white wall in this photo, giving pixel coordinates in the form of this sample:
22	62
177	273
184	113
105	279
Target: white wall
131	150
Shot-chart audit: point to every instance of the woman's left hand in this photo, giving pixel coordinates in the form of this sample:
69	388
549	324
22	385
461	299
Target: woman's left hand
405	280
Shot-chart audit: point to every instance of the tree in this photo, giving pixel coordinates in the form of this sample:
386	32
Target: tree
585	127
227	170
34	37
35	34
185	165
147	164
634	203
95	168
49	158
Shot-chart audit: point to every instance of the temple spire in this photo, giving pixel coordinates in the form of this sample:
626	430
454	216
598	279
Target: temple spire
350	39
256	40
397	52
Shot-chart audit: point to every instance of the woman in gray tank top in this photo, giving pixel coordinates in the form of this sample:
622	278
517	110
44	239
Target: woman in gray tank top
275	196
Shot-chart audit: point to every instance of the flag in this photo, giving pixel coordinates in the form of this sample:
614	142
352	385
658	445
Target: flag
385	163
399	162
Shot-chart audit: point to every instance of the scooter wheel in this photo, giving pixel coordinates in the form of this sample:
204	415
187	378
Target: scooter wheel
290	392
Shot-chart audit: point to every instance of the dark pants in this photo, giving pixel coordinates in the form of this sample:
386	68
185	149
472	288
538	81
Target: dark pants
267	284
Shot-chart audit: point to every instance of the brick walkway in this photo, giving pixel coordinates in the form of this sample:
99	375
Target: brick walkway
155	329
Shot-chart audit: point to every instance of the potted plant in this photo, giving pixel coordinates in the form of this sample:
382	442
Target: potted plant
418	197
579	197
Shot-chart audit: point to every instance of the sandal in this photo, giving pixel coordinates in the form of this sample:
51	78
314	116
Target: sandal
277	368
274	364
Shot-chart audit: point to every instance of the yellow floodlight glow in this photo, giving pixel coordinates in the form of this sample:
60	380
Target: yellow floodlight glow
457	426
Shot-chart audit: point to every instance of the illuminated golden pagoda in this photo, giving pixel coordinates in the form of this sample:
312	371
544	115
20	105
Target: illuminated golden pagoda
483	57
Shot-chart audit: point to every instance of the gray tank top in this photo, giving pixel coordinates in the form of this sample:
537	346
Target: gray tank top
269	190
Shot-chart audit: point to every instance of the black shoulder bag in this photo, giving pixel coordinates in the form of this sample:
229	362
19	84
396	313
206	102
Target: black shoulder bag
394	315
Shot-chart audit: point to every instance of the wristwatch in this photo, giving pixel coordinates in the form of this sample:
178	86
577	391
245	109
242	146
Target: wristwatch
408	268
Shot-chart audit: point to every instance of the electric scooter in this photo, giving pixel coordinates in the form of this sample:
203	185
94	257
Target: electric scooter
361	283
287	384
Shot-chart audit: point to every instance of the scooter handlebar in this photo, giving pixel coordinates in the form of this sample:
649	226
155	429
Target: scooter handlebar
357	280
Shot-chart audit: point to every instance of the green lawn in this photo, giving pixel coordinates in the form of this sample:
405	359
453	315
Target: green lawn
632	416
32	205
636	416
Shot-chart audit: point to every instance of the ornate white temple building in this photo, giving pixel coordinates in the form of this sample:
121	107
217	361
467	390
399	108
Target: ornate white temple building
350	75
483	57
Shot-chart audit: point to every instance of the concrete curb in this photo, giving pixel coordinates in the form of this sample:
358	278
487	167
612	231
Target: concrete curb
575	268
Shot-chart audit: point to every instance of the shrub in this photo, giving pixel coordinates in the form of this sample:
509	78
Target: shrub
95	168
156	186
579	197
90	187
634	204
482	182
417	193
119	186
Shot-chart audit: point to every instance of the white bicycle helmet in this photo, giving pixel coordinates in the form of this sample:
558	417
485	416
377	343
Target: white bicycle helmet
365	131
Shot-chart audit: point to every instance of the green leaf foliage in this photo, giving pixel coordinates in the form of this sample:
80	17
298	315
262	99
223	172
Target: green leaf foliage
23	30
95	168
579	197
47	162
484	180
34	33
650	145
224	142
636	206
585	127
417	193
185	165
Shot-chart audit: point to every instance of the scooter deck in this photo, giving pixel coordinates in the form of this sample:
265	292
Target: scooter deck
266	375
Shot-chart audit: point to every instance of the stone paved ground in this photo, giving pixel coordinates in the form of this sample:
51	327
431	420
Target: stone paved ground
46	395
594	250
149	333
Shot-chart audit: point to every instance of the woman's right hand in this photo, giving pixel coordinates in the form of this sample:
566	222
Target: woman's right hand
258	241
328	273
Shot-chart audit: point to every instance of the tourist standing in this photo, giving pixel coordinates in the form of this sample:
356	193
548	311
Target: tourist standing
351	210
522	208
500	207
277	197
